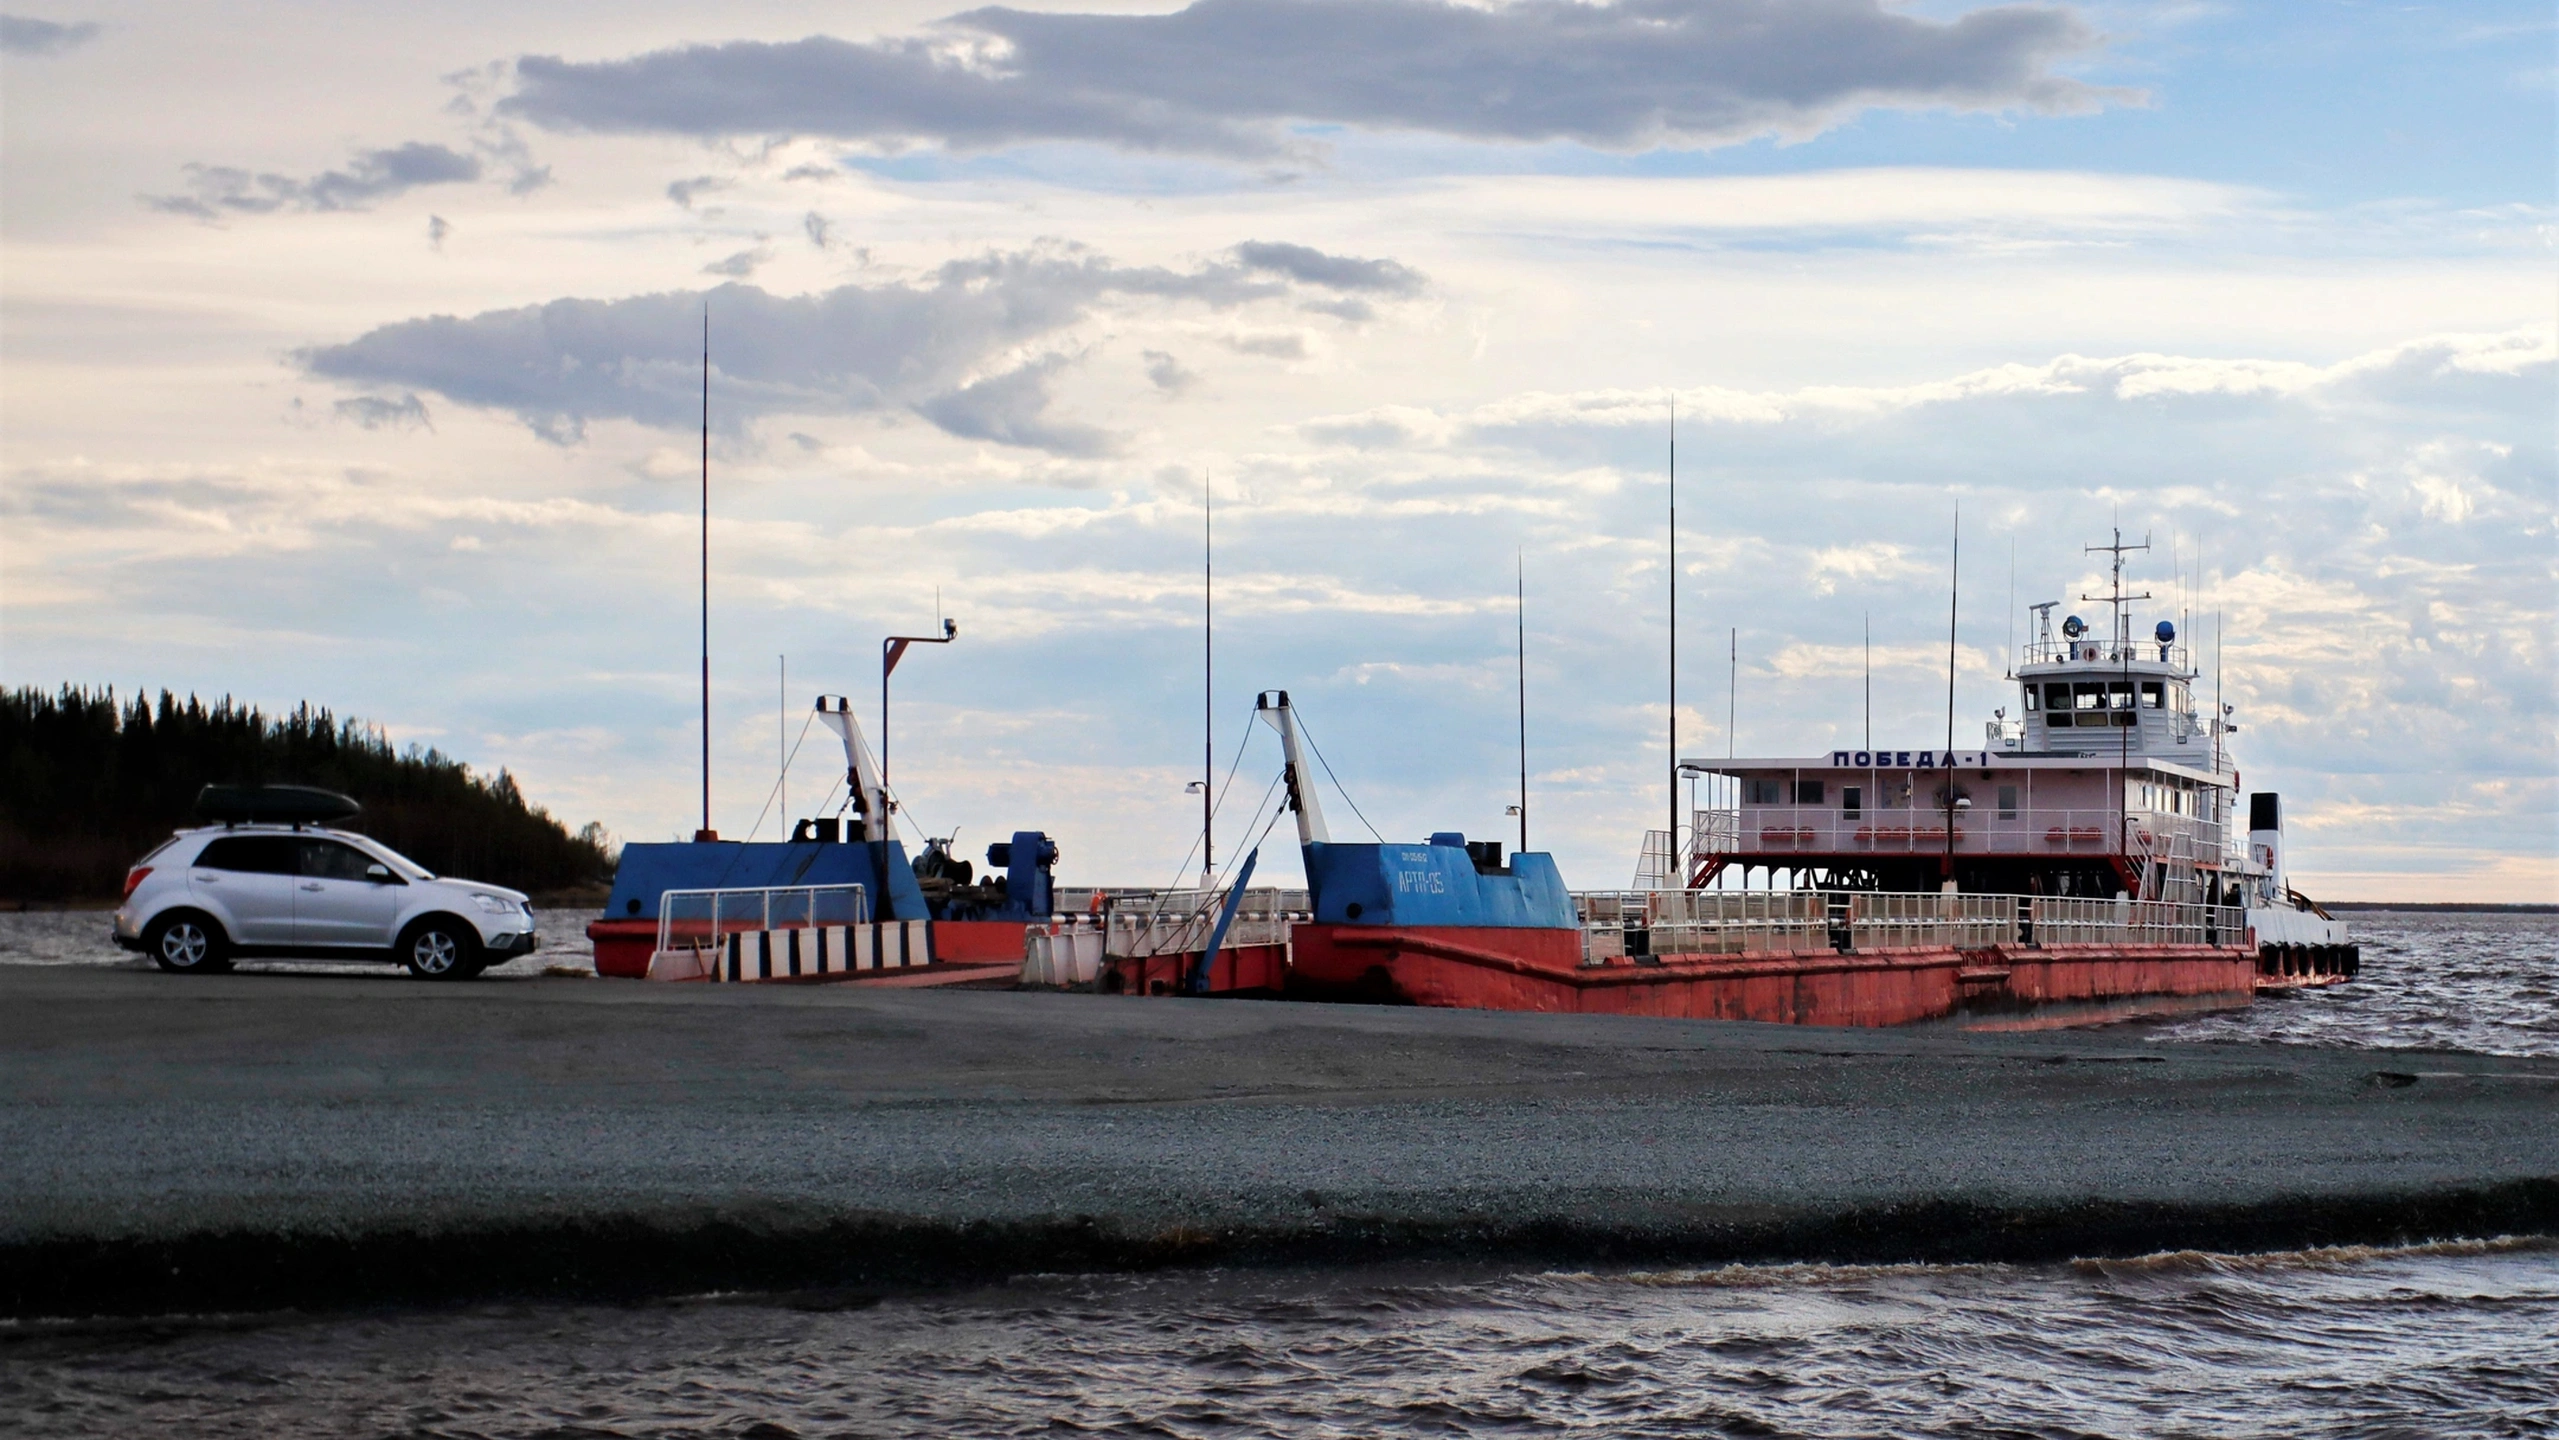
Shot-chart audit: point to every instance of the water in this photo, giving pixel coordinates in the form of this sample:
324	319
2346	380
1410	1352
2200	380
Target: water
2448	1340
2483	983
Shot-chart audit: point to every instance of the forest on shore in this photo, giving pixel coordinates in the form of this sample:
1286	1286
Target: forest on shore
89	783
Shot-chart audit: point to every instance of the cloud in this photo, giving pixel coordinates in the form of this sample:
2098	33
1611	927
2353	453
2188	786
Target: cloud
817	228
25	35
1012	409
1285	345
437	229
683	191
739	265
955	346
375	412
373	175
1168	374
1335	272
1229	76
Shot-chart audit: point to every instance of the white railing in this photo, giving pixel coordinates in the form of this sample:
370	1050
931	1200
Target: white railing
701	920
1672	923
1740	922
2134	922
2089	647
1905	921
1177	922
1982	829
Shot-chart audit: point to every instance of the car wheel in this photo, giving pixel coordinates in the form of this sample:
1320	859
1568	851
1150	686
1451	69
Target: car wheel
187	944
439	949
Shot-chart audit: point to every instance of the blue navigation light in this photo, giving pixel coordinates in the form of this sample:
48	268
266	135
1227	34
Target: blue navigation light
2074	627
2166	632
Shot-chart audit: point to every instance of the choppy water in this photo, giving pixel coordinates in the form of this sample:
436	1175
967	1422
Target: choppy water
2454	1340
2432	980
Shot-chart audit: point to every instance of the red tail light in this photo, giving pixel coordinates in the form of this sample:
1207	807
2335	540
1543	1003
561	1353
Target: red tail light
133	879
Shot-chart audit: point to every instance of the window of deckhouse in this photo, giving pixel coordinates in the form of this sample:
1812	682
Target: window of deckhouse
1852	800
2032	694
2087	695
1809	792
2007	802
2153	695
1763	792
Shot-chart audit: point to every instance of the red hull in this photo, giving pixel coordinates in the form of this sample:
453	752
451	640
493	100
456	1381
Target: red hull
1499	969
1240	970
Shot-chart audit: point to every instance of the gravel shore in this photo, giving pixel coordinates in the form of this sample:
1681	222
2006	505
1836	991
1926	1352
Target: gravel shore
250	1141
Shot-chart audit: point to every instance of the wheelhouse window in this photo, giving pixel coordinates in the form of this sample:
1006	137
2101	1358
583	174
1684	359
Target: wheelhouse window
2088	695
1763	792
2007	802
1852	800
2032	695
2153	695
1810	792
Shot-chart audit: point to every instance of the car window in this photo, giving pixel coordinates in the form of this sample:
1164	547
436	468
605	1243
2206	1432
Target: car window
250	855
329	860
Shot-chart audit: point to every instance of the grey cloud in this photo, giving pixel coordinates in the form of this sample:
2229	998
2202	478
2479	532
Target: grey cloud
739	265
25	35
375	412
921	345
1227	76
683	191
1012	409
1271	347
1167	373
373	175
437	228
1334	272
817	228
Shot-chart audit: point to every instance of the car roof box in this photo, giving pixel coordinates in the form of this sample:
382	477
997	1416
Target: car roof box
273	805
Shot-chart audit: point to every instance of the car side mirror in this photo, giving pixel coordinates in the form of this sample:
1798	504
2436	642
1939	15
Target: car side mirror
380	874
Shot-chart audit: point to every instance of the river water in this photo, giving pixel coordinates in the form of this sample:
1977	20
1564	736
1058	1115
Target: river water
2445	1340
2455	1339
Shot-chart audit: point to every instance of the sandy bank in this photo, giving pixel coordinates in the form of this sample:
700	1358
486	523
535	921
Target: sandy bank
253	1140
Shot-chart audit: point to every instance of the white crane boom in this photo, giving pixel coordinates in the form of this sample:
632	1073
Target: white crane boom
861	773
1273	707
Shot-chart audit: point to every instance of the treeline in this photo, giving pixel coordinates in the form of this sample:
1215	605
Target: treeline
88	783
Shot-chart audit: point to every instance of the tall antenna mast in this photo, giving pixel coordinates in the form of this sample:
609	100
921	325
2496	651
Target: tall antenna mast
1671	837
1732	686
1208	682
781	730
706	832
1870	680
1520	599
1954	596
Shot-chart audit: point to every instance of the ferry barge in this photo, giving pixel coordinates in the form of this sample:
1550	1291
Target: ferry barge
2082	863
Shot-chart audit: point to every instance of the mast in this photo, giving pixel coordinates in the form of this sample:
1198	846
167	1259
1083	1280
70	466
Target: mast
1520	613
1208	682
1670	838
1954	596
706	832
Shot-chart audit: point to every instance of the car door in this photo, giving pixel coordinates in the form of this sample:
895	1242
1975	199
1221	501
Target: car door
338	900
248	881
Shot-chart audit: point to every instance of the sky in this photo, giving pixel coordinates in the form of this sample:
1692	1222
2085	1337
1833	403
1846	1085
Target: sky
351	353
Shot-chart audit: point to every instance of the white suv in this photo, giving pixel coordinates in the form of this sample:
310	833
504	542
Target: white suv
229	891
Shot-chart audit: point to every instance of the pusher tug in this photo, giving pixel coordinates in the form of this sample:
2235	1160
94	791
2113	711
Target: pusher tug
853	902
2080	866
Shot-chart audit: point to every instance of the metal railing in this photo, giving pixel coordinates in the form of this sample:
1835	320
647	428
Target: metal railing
1177	922
1670	923
1740	922
703	919
1780	830
2136	922
1908	921
2089	648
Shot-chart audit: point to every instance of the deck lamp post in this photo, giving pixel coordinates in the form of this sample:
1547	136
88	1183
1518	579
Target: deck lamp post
892	650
